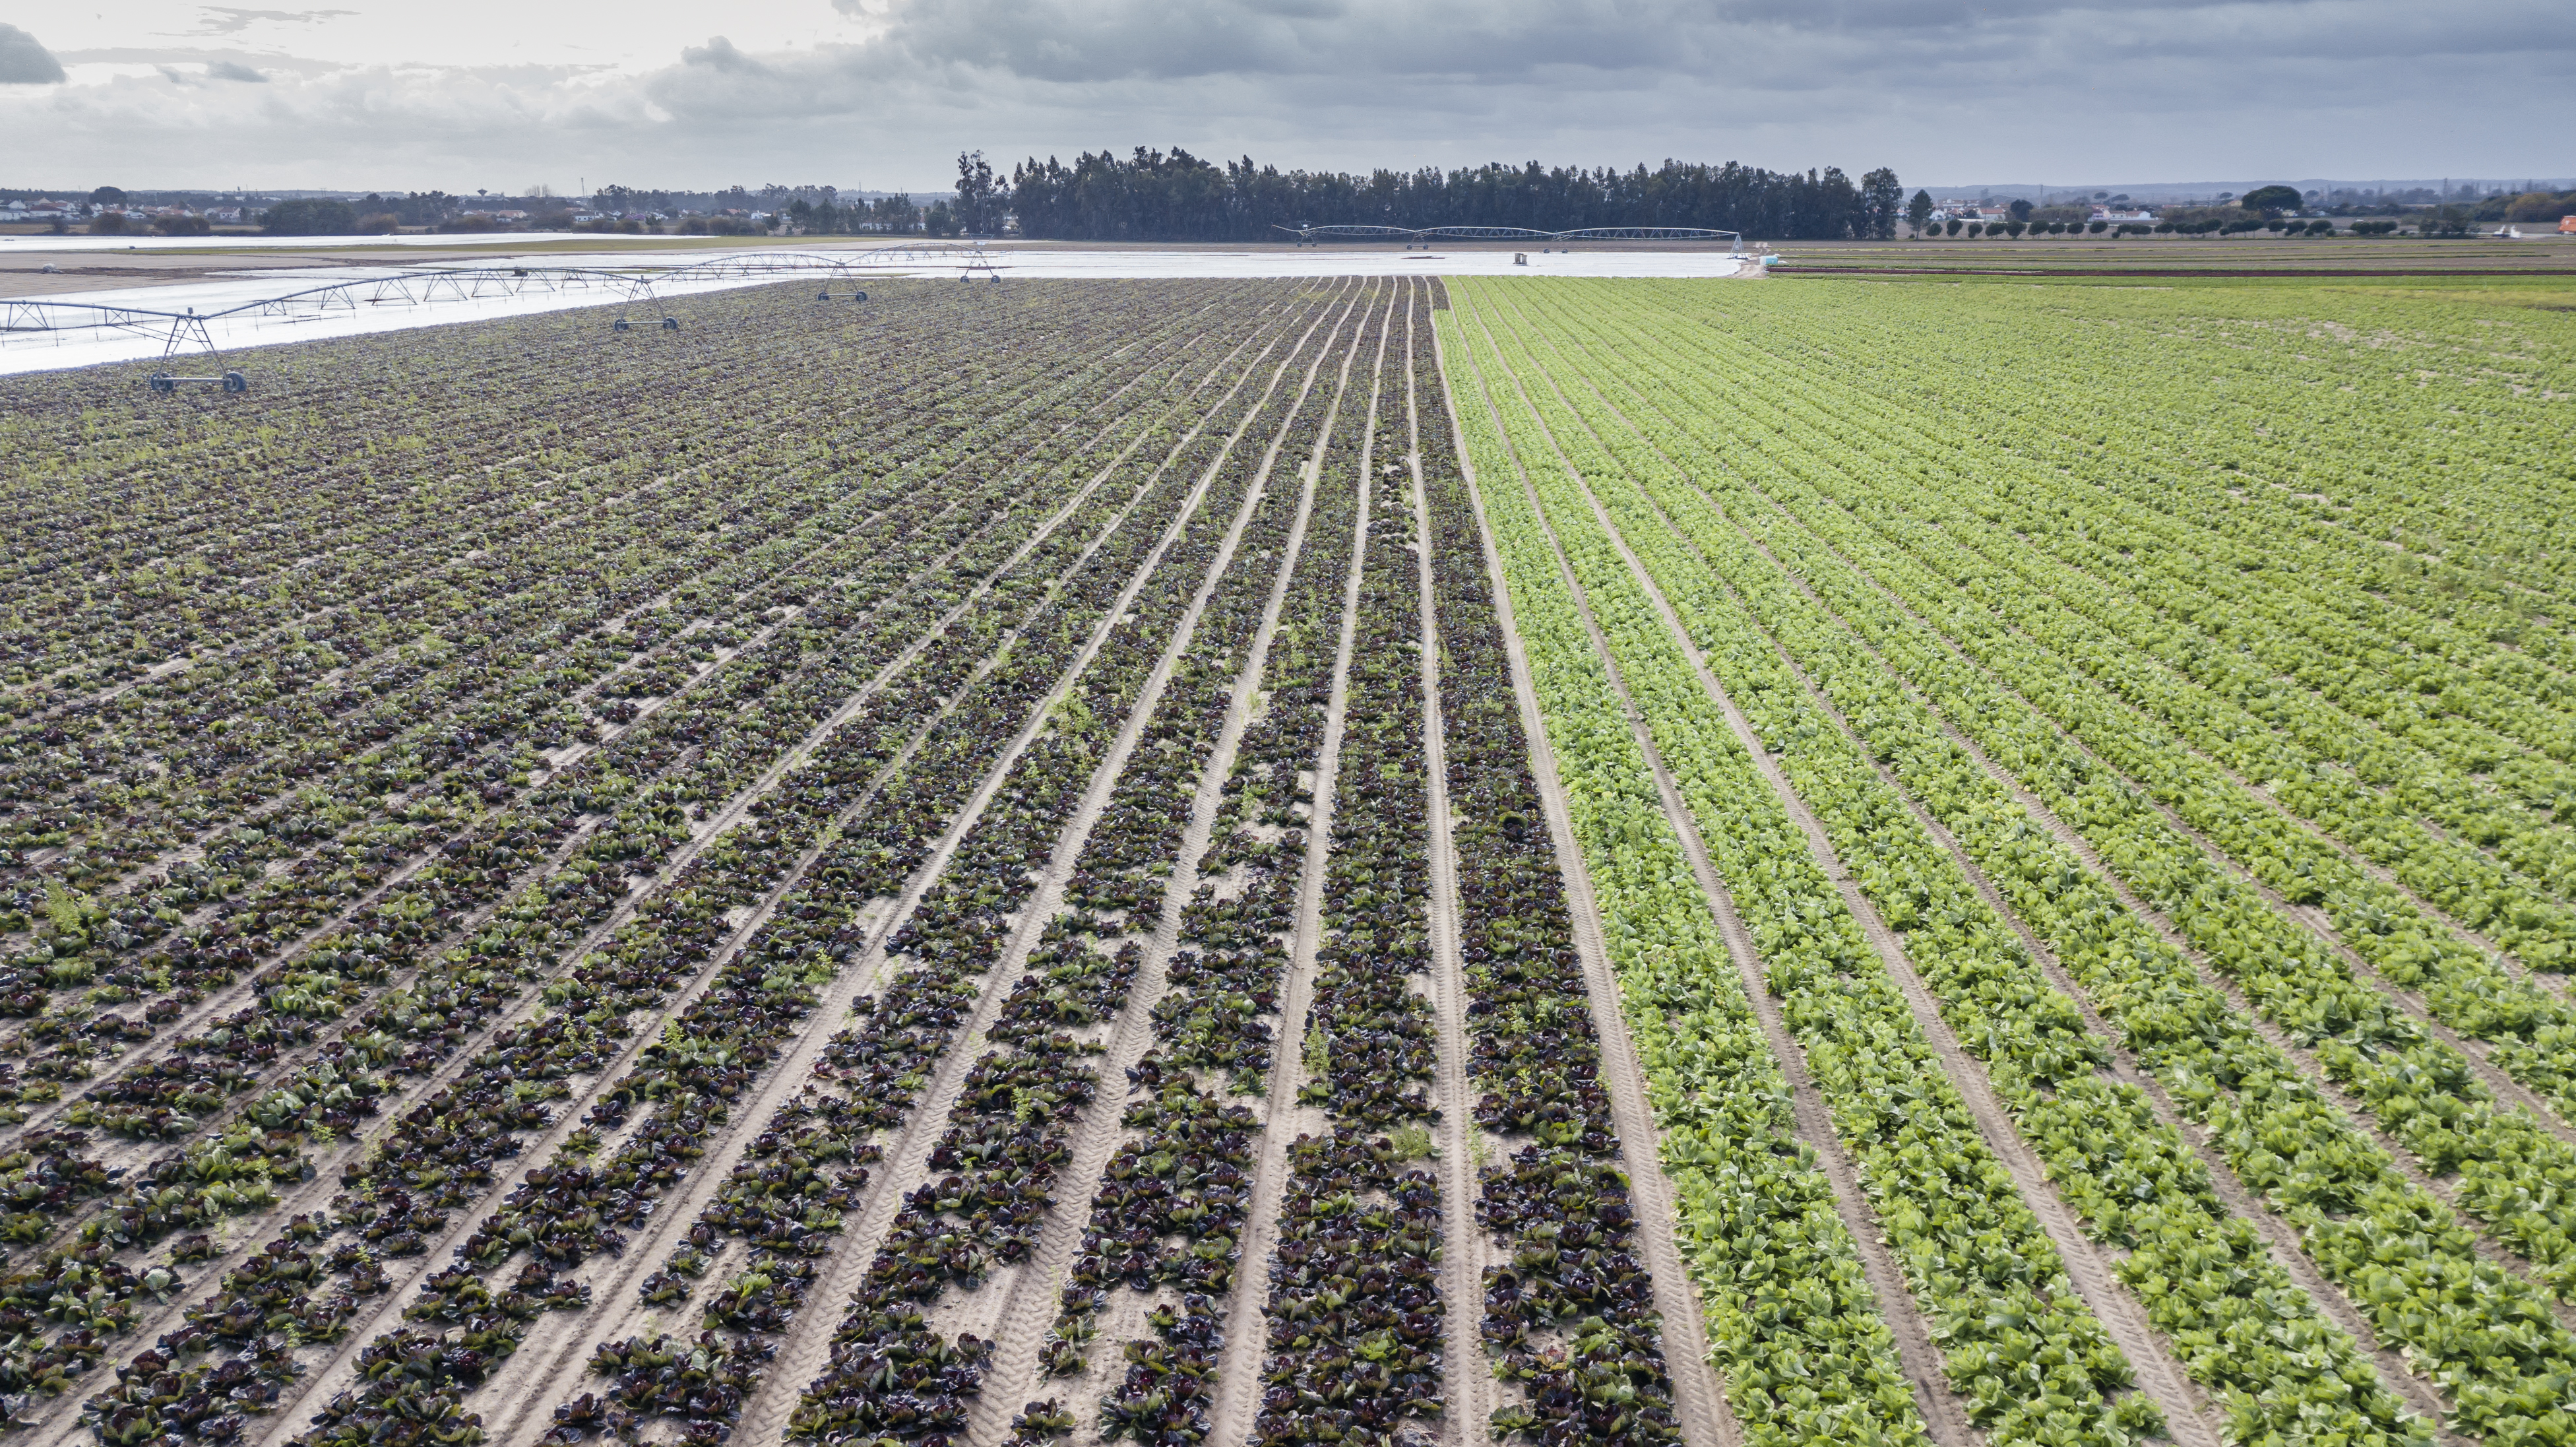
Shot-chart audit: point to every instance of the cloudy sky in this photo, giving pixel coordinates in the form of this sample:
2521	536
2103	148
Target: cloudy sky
506	94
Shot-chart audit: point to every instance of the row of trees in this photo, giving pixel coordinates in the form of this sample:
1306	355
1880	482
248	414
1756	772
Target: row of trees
1175	196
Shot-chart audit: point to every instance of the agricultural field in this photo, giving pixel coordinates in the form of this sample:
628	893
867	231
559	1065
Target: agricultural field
1355	861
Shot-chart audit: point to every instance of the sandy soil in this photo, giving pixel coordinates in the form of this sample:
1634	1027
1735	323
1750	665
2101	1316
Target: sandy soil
242	991
1127	1314
313	1194
1471	1387
1027	1308
1920	1359
2356	1114
2187	1412
2280	1237
1238	1395
2318	920
528	1366
802	1356
22	277
1016	1376
1699	1401
537	1376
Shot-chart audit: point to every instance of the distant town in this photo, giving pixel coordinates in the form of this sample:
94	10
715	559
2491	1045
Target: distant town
2426	211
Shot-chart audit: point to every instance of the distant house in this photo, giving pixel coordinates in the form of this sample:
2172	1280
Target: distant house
2105	213
509	215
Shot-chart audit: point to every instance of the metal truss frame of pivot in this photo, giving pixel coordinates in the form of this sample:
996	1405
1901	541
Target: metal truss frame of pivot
1362	232
187	330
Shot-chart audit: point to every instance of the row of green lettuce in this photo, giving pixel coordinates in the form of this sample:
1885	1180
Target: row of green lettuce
2483	1333
2511	1172
2020	1345
2192	750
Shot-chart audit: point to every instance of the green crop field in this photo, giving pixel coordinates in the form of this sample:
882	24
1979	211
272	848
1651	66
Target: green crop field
1855	860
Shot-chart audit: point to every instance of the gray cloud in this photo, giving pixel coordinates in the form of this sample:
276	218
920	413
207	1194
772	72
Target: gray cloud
25	61
1075	41
217	62
1398	57
720	54
224	70
1939	89
231	20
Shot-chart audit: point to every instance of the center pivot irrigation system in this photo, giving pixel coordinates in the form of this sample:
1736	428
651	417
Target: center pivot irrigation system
187	331
1348	231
